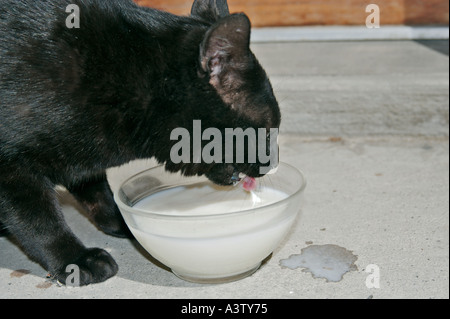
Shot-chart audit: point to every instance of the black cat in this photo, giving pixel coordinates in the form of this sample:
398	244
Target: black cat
77	101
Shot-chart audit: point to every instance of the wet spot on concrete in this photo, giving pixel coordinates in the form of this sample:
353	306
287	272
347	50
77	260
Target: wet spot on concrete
44	285
330	262
19	273
335	139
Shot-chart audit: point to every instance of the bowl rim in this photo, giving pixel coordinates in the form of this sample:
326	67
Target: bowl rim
151	214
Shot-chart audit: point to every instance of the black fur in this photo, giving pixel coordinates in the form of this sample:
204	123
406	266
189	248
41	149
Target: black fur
75	102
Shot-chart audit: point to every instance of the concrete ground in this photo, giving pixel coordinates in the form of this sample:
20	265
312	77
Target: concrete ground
368	124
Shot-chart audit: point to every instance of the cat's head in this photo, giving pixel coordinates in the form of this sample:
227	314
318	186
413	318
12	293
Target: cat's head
247	101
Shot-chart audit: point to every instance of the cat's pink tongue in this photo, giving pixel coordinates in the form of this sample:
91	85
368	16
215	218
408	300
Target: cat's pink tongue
249	184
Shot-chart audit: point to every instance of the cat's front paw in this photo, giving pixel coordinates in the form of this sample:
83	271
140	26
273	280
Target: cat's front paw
113	224
94	266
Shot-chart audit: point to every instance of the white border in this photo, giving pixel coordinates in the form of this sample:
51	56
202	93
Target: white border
347	33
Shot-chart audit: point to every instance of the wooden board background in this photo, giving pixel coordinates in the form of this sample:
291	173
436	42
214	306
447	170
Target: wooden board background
324	12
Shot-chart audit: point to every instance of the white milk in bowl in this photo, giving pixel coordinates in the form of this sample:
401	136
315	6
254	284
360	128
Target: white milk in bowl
207	233
208	199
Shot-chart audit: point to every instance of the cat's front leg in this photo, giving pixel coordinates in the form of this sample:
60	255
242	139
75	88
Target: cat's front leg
30	211
95	194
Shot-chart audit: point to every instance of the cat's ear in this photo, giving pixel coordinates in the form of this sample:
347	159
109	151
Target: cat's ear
225	51
210	10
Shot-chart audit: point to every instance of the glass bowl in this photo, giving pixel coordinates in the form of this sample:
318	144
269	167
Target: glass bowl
206	233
